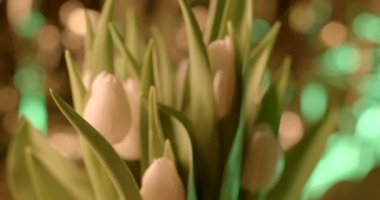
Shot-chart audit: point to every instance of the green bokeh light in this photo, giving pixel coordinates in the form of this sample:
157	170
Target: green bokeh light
362	104
260	29
368	125
369	87
313	102
341	60
367	26
33	108
29	82
31	25
345	159
29	78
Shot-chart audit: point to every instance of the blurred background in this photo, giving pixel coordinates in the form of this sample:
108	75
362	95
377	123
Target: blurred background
334	45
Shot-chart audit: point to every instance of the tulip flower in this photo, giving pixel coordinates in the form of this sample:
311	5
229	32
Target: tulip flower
262	164
107	109
129	148
162	182
222	61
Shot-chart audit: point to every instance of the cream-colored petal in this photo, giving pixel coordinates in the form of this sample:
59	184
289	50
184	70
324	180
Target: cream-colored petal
107	109
262	162
222	61
162	182
129	148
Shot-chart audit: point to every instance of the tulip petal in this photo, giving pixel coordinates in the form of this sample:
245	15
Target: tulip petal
161	181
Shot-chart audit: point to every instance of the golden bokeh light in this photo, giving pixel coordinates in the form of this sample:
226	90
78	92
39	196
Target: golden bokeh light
333	34
291	130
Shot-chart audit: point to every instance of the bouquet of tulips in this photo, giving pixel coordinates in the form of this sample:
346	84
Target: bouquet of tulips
205	130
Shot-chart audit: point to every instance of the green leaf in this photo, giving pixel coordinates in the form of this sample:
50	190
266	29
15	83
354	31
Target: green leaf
176	129
78	90
72	179
244	30
131	66
260	58
301	160
254	68
117	170
102	50
214	20
232	12
146	82
88	43
231	179
134	38
273	101
100	180
205	138
168	151
49	179
147	70
164	74
156	140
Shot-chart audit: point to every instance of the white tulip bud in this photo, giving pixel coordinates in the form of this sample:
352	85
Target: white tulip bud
263	163
107	109
162	182
129	148
222	61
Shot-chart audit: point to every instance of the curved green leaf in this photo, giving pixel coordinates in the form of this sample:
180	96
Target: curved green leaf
134	38
71	178
146	82
131	67
301	161
89	39
201	109
102	50
117	170
156	141
176	129
273	101
163	70
254	68
78	90
49	179
168	151
260	58
214	20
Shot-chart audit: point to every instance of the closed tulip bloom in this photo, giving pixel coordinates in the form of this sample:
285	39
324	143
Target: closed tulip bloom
107	109
222	61
129	148
162	182
263	163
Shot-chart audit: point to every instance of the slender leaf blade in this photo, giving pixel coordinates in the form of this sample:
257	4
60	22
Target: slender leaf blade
177	131
118	171
156	139
102	49
164	74
301	161
78	90
131	66
205	139
49	179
